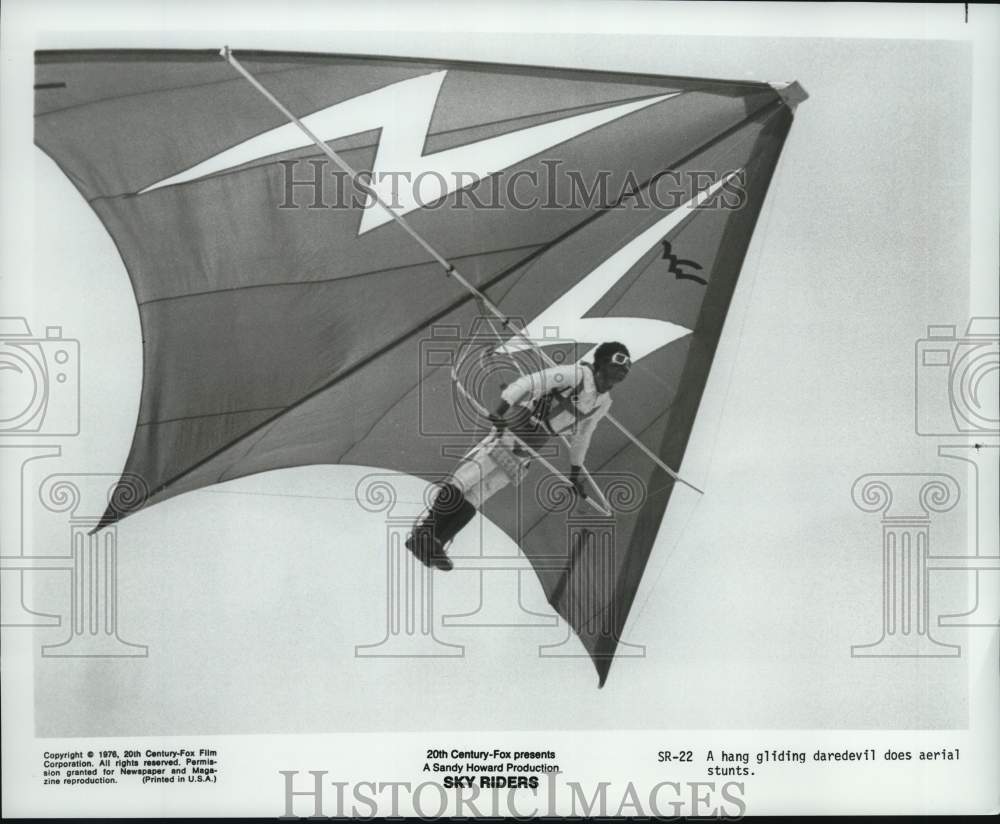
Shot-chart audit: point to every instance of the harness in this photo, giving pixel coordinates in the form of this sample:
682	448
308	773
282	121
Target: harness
512	453
533	425
543	410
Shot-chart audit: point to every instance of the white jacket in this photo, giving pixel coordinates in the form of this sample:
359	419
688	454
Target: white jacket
590	405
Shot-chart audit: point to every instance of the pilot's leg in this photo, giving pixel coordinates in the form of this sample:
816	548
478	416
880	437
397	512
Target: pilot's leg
474	480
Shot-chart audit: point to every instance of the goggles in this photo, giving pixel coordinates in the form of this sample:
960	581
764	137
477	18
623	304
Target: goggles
621	359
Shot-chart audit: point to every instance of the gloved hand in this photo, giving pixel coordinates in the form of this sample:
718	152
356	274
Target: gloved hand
497	418
577	481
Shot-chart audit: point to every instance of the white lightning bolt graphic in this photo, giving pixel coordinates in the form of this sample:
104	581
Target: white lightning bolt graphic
642	335
403	112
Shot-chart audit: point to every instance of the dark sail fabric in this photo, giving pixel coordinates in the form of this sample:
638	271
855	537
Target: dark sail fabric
286	324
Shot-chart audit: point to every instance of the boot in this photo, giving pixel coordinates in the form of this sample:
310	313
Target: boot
428	549
449	514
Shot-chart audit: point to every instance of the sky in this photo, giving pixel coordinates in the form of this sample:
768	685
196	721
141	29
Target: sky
252	595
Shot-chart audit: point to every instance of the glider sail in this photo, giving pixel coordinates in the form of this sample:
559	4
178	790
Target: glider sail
288	320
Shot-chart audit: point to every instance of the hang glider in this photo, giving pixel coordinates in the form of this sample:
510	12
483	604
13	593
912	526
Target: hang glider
289	319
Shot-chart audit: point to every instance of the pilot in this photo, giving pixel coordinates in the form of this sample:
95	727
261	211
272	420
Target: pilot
561	400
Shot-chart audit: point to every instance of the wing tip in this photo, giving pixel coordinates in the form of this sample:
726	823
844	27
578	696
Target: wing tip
110	516
128	495
791	93
603	665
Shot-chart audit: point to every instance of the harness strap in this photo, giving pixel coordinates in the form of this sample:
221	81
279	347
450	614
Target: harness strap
560	400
